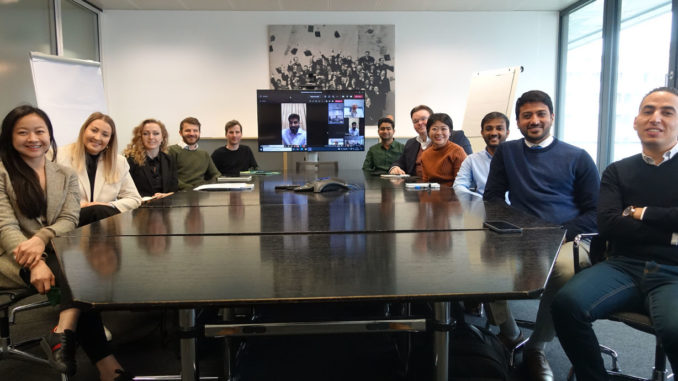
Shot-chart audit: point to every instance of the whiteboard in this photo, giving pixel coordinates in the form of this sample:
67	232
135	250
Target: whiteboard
68	90
492	90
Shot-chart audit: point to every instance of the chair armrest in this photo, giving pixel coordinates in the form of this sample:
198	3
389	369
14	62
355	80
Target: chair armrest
26	307
578	239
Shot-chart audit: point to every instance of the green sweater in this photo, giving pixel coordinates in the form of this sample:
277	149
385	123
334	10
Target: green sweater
193	167
378	159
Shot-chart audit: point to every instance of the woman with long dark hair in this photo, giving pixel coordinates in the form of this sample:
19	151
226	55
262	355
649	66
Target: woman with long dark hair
39	200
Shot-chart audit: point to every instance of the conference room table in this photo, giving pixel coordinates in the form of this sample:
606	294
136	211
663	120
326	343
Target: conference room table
375	242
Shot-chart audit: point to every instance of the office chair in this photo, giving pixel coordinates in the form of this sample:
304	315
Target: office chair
597	248
9	298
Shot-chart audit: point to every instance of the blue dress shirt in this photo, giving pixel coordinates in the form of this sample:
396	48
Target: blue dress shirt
473	172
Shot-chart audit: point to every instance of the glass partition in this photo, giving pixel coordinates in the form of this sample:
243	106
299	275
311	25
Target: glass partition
25	26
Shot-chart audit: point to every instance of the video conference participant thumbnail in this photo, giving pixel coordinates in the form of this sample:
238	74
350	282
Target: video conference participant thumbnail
293	135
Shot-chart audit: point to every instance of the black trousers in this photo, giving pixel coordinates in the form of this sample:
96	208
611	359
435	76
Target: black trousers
90	329
95	213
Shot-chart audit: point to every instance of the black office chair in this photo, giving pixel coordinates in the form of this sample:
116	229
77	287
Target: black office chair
597	248
9	298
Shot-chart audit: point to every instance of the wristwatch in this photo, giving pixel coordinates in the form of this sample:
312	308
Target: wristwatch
629	211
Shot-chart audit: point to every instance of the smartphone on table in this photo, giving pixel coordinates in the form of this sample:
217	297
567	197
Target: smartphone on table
502	227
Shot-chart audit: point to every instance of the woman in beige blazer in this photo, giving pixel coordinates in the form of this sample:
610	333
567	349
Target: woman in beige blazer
106	187
38	201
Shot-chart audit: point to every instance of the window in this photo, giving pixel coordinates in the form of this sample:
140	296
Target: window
31	26
579	101
632	39
80	31
644	43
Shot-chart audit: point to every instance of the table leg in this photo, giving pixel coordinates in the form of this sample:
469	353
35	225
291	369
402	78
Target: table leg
227	315
187	331
441	339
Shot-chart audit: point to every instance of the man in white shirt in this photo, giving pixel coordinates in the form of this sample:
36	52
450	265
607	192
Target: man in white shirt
294	136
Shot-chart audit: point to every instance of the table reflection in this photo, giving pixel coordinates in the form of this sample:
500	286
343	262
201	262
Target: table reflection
154	226
101	253
432	221
194	225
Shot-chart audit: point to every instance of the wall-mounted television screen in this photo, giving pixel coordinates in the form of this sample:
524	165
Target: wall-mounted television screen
311	120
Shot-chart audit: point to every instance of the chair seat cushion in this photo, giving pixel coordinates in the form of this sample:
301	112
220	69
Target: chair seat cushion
636	320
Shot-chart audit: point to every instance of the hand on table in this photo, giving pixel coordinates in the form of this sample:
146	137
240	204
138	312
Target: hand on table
162	195
396	171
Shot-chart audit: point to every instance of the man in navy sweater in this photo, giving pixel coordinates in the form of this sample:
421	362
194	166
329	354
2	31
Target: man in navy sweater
556	182
638	215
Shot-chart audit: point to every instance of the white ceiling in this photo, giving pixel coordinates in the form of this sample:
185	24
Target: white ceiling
335	5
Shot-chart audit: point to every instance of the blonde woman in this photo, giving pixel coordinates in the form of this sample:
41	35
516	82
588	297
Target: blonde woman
154	171
106	187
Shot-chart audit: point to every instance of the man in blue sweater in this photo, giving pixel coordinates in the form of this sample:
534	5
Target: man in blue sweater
556	182
638	215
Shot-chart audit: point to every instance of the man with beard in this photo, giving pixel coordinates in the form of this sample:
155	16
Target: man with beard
194	166
294	136
354	131
638	216
381	155
472	176
556	182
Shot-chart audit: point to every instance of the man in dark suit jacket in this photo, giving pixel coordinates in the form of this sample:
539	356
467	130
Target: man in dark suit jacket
407	163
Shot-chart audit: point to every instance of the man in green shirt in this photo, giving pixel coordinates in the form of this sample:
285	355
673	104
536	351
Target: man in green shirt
381	156
194	166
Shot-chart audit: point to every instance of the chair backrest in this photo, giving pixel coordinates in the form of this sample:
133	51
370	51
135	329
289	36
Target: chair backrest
597	249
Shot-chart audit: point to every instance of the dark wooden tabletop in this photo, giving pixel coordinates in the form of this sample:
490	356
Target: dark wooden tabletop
375	242
142	271
375	205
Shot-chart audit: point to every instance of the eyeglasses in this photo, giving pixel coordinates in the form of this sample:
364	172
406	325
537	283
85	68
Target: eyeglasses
422	119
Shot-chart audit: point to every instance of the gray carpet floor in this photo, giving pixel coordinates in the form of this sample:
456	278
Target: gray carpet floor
146	343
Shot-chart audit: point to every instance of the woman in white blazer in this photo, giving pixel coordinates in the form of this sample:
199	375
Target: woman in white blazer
106	187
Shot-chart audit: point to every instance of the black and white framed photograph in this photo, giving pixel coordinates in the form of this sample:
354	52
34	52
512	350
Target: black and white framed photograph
336	57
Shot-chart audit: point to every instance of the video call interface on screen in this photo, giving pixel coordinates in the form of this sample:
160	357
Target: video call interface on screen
311	120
